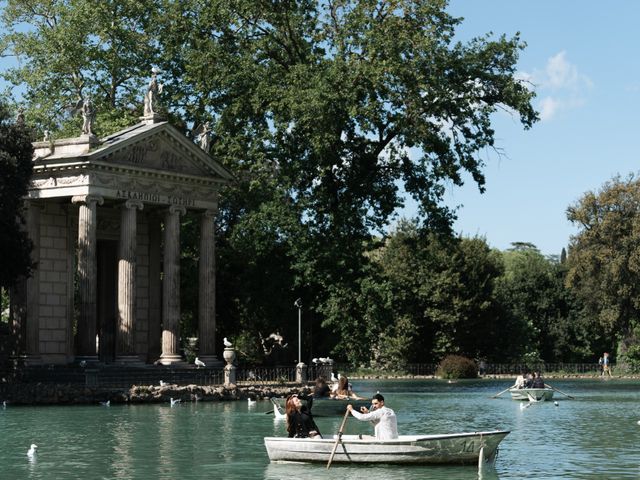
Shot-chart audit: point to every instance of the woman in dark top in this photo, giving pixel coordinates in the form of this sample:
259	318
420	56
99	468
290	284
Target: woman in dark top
300	422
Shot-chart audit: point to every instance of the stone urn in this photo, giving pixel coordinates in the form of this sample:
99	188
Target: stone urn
229	355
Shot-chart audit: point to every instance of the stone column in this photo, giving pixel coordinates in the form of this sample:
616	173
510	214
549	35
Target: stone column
207	291
127	283
33	288
25	297
87	278
155	290
171	287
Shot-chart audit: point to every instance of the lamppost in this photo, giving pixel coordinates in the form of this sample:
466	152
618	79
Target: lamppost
298	304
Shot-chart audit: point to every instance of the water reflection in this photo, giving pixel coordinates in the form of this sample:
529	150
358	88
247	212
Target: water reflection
166	441
122	449
278	471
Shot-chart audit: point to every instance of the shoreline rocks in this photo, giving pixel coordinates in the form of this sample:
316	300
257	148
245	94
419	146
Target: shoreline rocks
72	394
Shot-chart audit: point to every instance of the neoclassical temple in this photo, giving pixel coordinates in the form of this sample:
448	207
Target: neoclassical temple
104	216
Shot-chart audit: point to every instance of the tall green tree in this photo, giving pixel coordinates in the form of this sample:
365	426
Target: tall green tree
542	319
328	108
73	49
326	111
604	259
15	171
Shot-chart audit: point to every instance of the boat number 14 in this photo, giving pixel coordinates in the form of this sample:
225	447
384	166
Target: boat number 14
468	446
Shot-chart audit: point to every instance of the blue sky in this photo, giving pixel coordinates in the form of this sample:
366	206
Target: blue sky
582	57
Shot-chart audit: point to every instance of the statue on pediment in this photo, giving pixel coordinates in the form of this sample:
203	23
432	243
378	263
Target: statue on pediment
88	116
203	136
151	96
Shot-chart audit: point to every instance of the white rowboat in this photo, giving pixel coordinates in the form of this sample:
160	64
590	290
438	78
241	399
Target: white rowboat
453	448
531	394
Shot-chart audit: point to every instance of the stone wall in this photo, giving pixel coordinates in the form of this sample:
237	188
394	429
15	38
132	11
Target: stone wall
141	329
55	284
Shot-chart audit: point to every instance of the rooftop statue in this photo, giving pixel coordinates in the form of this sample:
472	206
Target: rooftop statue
88	116
150	97
202	136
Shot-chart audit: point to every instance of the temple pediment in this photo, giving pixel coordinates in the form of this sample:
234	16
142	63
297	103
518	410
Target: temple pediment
158	153
152	162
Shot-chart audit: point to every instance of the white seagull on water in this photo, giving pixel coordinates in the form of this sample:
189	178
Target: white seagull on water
174	402
198	363
251	402
106	404
32	450
227	343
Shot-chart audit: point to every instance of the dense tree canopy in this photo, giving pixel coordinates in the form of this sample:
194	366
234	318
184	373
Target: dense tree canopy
78	49
326	111
15	171
604	257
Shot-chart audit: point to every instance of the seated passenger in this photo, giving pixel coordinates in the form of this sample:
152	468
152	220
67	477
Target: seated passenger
344	391
528	383
321	388
538	382
519	382
300	422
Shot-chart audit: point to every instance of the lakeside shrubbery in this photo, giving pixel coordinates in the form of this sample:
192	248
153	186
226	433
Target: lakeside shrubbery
457	366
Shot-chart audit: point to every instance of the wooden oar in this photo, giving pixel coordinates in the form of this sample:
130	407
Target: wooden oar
498	394
565	394
338	439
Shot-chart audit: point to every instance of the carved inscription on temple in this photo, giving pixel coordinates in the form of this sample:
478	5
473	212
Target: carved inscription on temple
156	198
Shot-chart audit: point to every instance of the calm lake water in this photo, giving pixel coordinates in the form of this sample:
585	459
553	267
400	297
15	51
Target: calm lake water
594	436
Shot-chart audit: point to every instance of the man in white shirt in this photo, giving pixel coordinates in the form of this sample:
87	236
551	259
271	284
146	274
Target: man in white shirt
382	418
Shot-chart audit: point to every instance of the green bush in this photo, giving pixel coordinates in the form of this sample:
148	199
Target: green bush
456	366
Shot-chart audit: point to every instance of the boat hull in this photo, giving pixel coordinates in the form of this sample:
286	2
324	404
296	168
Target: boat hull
531	394
456	448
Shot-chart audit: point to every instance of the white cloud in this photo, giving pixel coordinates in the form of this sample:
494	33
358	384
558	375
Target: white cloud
548	107
560	86
559	74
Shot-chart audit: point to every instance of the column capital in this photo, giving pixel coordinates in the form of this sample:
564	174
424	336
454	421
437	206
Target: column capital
87	199
210	212
180	210
130	204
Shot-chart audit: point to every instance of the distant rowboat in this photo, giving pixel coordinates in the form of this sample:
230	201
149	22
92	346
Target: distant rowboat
531	394
454	448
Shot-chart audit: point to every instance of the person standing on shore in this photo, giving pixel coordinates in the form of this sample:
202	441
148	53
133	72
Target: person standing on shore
600	366
605	364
